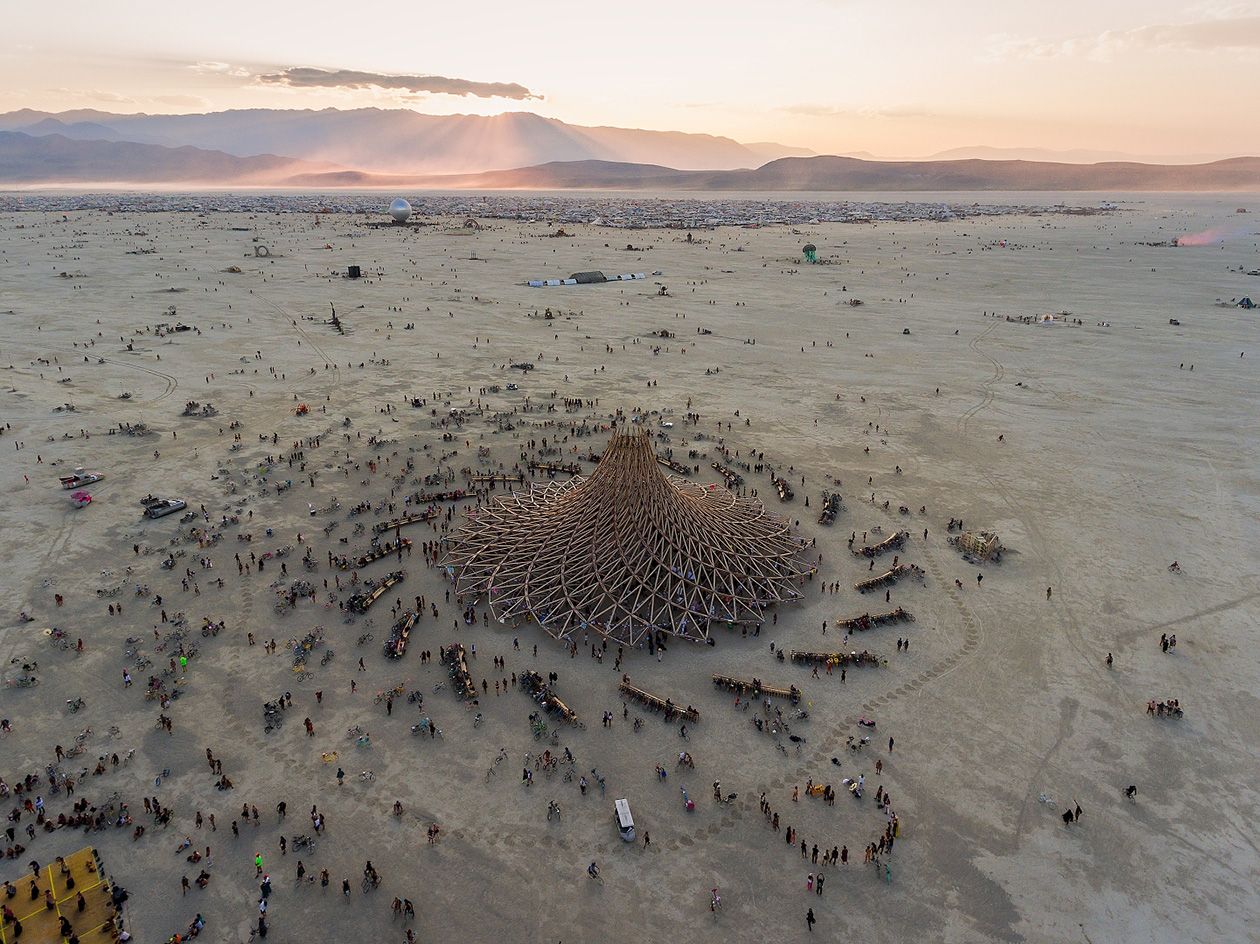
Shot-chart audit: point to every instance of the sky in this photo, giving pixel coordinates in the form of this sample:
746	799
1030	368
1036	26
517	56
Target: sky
888	77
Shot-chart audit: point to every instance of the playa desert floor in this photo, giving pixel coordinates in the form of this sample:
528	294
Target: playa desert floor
1093	449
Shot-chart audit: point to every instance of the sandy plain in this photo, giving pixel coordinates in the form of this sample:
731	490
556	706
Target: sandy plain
1115	461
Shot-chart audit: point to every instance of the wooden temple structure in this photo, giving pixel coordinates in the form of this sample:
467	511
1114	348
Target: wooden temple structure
627	552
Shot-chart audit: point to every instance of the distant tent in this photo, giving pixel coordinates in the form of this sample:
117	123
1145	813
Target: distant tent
811	252
1246	303
588	278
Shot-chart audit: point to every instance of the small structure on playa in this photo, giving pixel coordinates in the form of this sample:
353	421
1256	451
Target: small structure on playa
628	553
400	210
657	703
981	545
756	688
592	277
810	252
75	884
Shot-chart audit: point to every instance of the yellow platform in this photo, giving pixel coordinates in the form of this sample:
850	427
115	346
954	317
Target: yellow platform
40	923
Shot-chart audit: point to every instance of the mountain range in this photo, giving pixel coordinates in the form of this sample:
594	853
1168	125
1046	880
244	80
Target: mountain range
371	147
399	141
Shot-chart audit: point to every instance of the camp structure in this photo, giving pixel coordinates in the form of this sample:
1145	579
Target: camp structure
55	891
393	524
756	688
399	635
627	552
593	277
810	252
456	661
362	602
533	685
657	703
845	659
375	553
858	624
894	542
888	578
981	545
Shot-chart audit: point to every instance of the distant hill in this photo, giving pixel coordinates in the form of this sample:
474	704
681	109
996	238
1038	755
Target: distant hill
56	159
852	174
1073	156
85	148
401	141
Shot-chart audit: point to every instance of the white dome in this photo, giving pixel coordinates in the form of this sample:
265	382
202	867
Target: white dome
400	210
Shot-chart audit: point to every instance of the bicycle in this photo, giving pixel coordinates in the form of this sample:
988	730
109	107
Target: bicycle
370	883
366	776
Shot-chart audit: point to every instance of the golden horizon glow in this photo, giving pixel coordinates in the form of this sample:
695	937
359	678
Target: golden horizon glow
897	79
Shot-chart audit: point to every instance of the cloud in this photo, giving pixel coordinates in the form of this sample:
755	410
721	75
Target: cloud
1215	35
433	84
220	68
96	95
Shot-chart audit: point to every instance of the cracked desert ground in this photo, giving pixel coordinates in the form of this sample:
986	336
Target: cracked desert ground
1115	460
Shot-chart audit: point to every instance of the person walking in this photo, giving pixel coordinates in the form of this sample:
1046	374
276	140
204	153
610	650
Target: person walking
809	920
818	885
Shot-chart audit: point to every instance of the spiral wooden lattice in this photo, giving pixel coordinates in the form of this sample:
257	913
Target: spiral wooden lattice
626	552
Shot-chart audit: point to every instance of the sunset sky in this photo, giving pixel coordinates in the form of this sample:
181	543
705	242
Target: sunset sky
891	77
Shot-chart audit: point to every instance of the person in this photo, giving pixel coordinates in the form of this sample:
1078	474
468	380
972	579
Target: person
592	870
809	920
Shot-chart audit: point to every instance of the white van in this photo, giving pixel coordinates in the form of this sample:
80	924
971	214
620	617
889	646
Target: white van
625	822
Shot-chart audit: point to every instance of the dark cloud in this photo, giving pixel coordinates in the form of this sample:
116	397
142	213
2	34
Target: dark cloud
434	84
